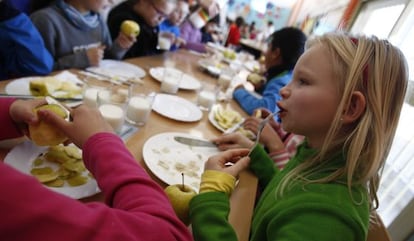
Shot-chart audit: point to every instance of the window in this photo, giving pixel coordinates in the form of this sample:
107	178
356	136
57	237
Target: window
394	20
371	20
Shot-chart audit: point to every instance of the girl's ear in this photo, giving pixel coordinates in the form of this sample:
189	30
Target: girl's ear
276	56
355	109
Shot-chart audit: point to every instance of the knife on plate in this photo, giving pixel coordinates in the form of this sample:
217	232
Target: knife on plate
2	95
194	142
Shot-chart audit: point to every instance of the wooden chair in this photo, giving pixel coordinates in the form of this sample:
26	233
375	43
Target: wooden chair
378	231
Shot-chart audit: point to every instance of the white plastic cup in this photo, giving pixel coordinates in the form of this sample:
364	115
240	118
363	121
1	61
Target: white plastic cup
90	94
206	99
139	108
171	80
112	103
164	43
90	97
165	40
224	81
114	115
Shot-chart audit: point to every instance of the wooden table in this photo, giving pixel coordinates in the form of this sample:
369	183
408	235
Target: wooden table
243	197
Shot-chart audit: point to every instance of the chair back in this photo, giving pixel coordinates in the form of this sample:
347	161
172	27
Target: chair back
377	230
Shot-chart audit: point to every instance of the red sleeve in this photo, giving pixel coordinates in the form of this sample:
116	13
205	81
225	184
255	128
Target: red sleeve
8	128
136	208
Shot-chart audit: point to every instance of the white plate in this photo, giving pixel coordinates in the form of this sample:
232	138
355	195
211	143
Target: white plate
176	108
213	121
21	86
216	46
22	156
206	65
187	82
167	159
117	70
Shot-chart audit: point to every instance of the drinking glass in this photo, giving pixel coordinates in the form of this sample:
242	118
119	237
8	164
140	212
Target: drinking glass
224	81
171	80
206	98
139	105
112	103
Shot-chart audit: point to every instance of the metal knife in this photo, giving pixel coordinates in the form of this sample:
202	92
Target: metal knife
32	97
51	100
194	142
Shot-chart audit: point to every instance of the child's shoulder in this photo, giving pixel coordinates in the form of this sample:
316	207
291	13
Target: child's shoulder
46	13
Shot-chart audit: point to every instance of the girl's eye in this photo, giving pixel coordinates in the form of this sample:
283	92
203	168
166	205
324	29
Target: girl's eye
302	82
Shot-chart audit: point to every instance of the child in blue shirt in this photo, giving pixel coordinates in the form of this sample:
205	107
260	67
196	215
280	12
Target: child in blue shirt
22	50
172	24
285	47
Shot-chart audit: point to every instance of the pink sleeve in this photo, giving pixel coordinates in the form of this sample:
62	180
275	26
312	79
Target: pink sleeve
8	128
291	141
136	207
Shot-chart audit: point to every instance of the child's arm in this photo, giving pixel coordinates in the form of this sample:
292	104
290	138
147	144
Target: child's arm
262	165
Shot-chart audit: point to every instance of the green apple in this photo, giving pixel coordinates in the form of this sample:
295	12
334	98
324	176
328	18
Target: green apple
180	196
43	134
129	27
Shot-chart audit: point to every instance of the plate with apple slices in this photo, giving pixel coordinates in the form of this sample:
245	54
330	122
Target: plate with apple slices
60	168
168	159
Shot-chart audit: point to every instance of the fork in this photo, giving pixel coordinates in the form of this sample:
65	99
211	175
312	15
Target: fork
260	129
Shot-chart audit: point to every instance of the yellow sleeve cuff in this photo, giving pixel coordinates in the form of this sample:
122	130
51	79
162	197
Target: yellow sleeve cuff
216	181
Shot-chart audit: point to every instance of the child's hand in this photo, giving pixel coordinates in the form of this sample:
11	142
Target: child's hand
86	123
180	42
222	161
232	141
95	55
125	41
269	137
263	113
21	111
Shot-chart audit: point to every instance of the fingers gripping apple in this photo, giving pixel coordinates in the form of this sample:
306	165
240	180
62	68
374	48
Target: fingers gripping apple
42	133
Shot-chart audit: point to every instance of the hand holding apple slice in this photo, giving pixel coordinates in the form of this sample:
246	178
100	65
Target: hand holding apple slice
44	134
180	196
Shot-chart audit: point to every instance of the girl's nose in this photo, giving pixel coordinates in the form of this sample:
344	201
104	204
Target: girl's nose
284	91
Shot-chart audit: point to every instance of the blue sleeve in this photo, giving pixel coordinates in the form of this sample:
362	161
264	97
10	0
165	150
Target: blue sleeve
249	102
23	47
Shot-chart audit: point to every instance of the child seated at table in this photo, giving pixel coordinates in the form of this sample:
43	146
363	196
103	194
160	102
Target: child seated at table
22	50
148	14
135	208
347	104
284	49
171	25
76	35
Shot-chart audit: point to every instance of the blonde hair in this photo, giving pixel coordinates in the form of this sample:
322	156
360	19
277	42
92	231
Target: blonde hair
379	71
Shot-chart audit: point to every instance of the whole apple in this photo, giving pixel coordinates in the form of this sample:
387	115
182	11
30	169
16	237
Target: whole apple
180	196
130	27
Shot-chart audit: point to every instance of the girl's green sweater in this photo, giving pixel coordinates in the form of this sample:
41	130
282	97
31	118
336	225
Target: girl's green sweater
317	212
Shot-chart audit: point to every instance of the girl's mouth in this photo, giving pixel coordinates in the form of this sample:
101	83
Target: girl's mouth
282	112
281	109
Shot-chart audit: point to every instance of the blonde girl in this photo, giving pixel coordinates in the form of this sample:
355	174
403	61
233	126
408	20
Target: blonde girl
345	97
